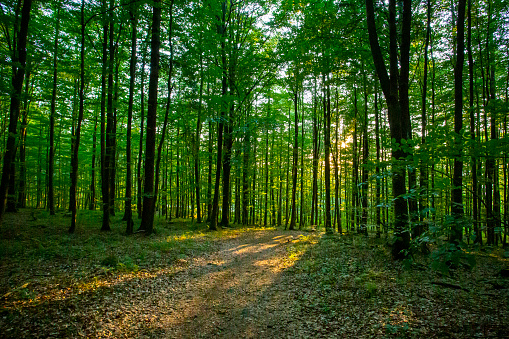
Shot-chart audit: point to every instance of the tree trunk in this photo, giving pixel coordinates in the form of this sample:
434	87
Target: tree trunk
475	184
302	202
224	90
316	150
457	181
209	172
245	173
19	63
295	160
365	160
266	193
355	168
76	136
104	91
51	155
397	107
197	183
423	182
92	176
128	213
327	123
377	168
147	219
21	203
139	201
168	106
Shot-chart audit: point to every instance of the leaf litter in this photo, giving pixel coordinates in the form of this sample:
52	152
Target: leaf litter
252	283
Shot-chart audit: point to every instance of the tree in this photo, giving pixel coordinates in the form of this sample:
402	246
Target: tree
395	89
128	213
51	160
77	134
147	220
19	57
457	181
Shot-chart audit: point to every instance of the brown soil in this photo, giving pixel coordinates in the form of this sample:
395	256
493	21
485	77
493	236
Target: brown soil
239	291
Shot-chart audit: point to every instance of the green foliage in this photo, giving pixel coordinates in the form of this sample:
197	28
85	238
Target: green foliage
399	330
450	256
110	261
445	256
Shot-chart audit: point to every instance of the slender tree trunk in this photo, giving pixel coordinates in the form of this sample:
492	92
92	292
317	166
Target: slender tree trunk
91	206
355	169
314	189
128	213
224	90
337	178
197	146
149	199
327	124
295	160
139	202
168	106
265	211
365	160
457	181
302	221
423	182
19	64
245	172
209	172
76	136
377	167
397	107
22	184
113	154
104	90
475	184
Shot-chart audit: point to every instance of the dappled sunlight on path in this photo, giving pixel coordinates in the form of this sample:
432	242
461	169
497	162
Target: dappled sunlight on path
232	293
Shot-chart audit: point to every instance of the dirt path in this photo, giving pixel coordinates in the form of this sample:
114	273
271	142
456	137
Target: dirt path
237	292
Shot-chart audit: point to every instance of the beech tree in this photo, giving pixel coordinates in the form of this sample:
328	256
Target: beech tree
19	57
394	86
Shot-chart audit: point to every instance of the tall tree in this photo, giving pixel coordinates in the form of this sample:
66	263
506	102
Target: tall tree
19	57
475	184
395	89
77	134
326	145
128	213
221	30
457	181
295	152
147	220
51	151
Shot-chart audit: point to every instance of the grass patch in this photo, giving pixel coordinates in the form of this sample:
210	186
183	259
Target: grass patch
40	258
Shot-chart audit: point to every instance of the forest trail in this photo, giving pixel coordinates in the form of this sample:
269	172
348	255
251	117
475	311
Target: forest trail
236	292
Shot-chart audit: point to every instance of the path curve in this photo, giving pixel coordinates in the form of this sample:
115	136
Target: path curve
239	291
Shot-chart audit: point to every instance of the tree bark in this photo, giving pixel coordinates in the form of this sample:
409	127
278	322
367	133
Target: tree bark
19	64
295	160
168	106
147	220
77	134
224	90
326	144
128	213
457	181
395	89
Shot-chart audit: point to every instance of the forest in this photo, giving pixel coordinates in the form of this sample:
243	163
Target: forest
182	128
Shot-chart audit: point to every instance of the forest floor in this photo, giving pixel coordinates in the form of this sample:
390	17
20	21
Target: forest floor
243	282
